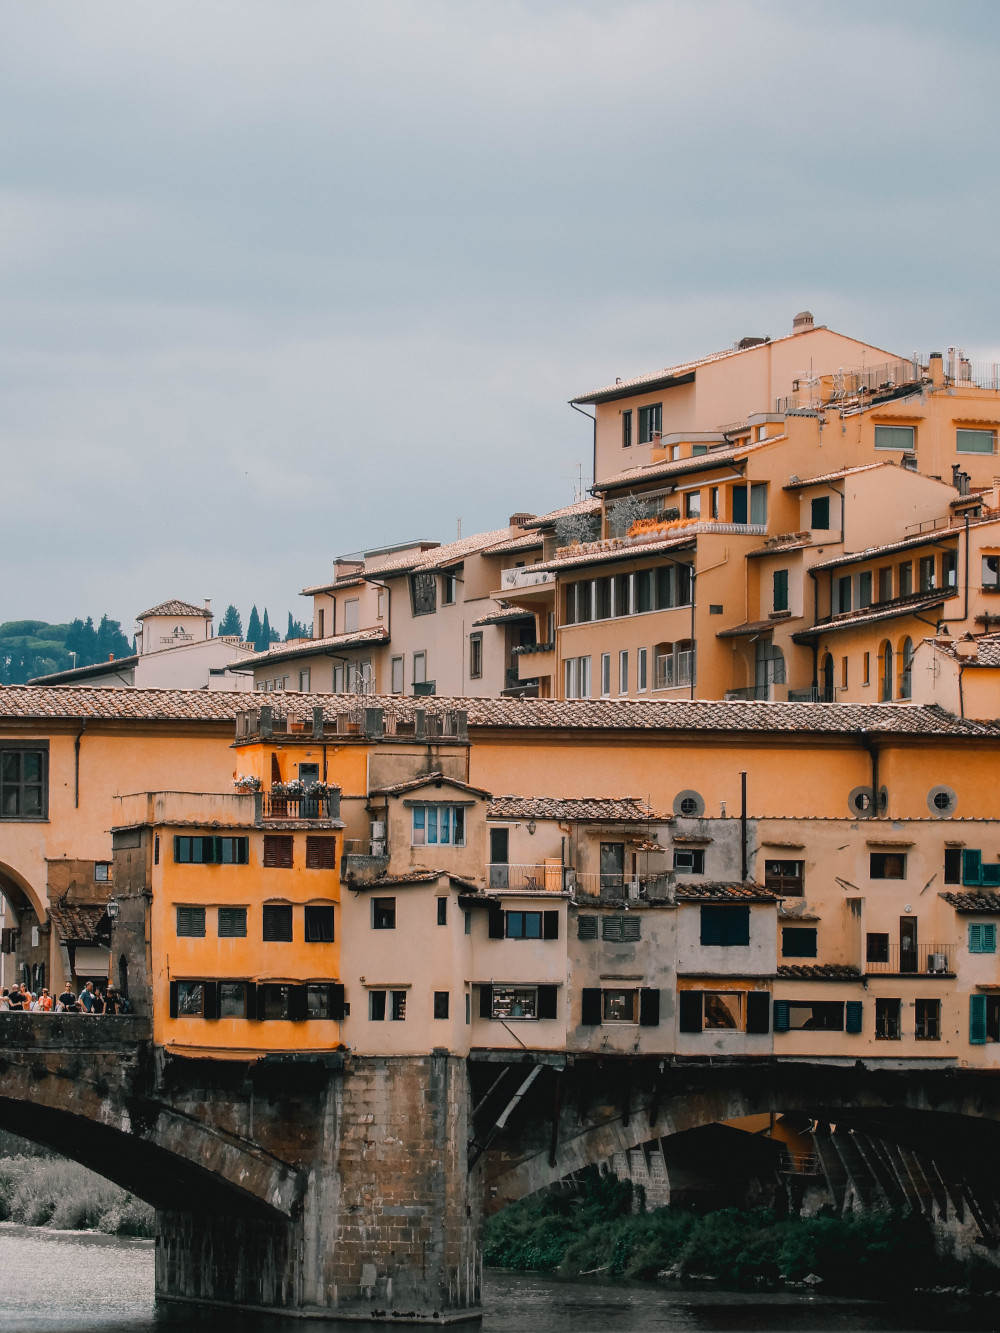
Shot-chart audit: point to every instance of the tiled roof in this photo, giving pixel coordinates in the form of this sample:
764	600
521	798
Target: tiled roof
281	652
334	585
792	541
725	893
503	614
973	902
605	810
578	507
839	475
932	538
77	925
54	702
819	972
988	650
755	627
440	557
416	876
572	557
528	541
877	611
672	467
174	607
426	780
84	673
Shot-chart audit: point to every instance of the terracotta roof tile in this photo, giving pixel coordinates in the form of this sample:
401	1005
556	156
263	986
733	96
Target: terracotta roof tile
174	607
931	538
797	485
77	924
605	810
592	553
416	876
427	780
671	467
819	972
756	627
720	893
503	614
281	652
973	902
871	615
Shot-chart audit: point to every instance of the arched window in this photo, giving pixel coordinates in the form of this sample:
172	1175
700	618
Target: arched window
906	668
885	672
827	682
684	661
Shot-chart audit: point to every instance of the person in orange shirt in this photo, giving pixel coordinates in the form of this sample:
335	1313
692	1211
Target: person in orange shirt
45	1002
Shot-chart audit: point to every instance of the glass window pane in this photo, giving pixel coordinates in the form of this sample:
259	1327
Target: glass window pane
974	441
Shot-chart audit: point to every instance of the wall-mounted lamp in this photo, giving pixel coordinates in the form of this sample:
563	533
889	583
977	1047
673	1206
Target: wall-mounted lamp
113	908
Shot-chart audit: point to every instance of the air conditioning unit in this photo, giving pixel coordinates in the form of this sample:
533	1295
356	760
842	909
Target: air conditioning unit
378	847
937	962
378	830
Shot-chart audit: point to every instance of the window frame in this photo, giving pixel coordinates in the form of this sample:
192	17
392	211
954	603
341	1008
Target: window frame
892	437
277	921
384	913
194	918
650	422
476	655
962	431
235	918
879	863
452	824
319	920
20	749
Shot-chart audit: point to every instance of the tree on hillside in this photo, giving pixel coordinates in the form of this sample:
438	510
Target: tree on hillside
111	642
297	629
268	634
231	624
254	634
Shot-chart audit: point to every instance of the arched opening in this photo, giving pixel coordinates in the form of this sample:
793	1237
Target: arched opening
905	657
769	669
826	696
663	666
885	672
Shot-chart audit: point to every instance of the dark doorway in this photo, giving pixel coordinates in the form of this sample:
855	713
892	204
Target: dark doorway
907	944
499	857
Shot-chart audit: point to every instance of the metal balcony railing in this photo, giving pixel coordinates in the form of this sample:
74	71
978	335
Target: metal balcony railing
505	875
619	888
309	806
924	960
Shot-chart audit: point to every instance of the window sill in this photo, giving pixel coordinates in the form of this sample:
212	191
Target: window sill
24	819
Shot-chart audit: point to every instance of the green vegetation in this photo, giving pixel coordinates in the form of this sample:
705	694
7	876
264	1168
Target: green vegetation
39	1189
597	1231
31	648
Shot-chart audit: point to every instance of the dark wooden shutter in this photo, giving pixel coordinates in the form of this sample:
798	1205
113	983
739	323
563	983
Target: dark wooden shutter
298	1003
278	850
724	925
758	1011
781	1016
485	1001
261	1000
210	991
690	1010
321	853
854	1016
546	1001
251	999
591	1013
977	1020
649	1008
173	1000
550	925
335	1000
496	923
277	923
586	928
631	928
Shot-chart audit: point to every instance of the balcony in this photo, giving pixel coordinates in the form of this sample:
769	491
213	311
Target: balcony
524	576
614	888
550	877
673	670
309	806
925	960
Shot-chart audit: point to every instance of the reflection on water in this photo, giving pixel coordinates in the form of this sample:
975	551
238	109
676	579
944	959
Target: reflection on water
82	1283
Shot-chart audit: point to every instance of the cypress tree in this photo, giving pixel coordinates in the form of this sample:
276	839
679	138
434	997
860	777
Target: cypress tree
254	634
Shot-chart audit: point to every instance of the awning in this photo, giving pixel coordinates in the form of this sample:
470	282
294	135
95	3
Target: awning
90	960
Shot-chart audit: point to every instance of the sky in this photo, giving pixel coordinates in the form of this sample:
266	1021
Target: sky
283	279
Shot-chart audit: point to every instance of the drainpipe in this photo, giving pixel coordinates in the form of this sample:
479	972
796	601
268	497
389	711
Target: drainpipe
865	739
743	826
76	763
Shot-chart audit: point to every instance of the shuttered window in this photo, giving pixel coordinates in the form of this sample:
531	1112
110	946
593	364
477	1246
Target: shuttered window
982	937
191	921
691	1007
319	925
725	925
590	1015
977	1020
854	1016
798	942
232	922
586	928
621	929
205	850
277	923
781	1015
278	850
321	853
649	1008
758	1011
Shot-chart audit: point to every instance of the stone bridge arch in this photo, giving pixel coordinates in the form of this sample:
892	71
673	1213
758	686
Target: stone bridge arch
20	894
586	1113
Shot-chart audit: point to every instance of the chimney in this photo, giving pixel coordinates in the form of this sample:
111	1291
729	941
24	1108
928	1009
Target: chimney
519	520
937	370
803	322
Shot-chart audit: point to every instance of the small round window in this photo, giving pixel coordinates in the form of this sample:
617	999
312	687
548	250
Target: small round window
689	804
861	801
942	801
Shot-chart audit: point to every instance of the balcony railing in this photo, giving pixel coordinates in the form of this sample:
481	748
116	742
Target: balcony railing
619	888
673	669
525	577
924	960
503	875
309	806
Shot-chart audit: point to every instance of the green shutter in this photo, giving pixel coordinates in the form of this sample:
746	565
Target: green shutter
977	1020
991	875
586	928
972	871
781	1016
855	1019
546	1001
989	939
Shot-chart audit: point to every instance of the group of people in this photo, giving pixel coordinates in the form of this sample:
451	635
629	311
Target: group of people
91	1000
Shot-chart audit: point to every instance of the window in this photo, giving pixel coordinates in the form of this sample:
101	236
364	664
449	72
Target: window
602	599
758	503
232	923
232	999
820	513
953	865
191	921
927	1020
441	1003
619	1006
734	1011
798	942
895	437
949	569
984	1019
713	502
991	572
888	1026
379	1009
887	865
423	593
319	925
320	624
397	675
351	615
725	925
321	853
786	878
605	674
723	1009
623	672
102	871
809	1016
844	593
383	914
866	668
865	588
211	851
739	504
649	422
622	585
278	850
780	595
621	929
304	679
438	825
190	999
475	656
277	923
642	658
586	928
689	860
508	1002
885	584
449	589
442	911
338	678
885	672
843	673
692	504
905	579
642	591
877	947
627	429
905	659
577	677
420	668
975	442
523	925
982	937
926	573
23	782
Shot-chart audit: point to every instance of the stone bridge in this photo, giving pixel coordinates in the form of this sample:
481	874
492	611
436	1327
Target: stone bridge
346	1186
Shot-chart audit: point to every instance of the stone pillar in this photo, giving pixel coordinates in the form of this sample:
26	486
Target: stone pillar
389	1219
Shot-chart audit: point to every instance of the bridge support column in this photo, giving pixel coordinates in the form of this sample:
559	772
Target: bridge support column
390	1216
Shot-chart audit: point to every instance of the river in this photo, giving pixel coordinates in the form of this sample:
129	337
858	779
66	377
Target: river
77	1282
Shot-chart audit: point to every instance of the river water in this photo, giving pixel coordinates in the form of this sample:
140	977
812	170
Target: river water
77	1282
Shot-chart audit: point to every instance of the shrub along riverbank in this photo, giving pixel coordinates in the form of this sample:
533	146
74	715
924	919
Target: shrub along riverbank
596	1231
42	1190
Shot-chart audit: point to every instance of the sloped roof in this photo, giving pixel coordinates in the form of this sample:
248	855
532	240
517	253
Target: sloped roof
281	652
878	611
439	557
571	557
725	893
666	469
973	902
819	971
77	925
502	614
84	673
436	779
600	809
930	538
840	473
175	607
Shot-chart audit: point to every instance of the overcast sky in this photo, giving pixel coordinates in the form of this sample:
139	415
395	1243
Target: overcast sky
280	279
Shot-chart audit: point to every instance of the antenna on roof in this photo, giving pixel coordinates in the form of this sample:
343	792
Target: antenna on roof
578	488
458	536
